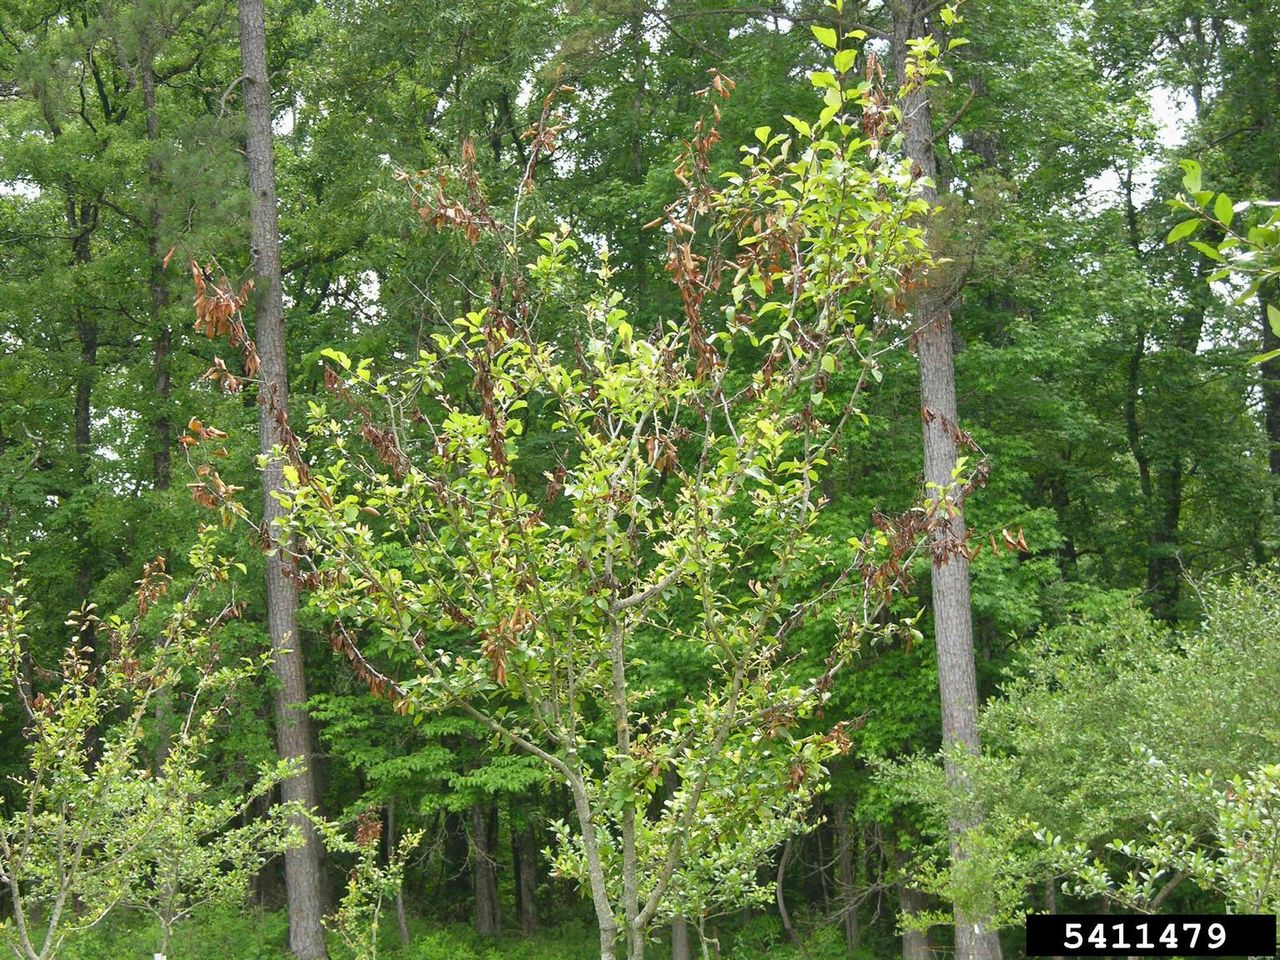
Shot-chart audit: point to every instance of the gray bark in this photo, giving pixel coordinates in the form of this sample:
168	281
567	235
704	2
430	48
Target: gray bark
302	865
679	939
952	615
780	896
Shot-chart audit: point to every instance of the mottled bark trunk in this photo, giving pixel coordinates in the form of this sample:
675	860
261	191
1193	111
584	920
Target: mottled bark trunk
952	614
303	882
484	873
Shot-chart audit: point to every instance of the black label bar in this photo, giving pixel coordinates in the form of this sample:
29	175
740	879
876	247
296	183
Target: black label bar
1151	935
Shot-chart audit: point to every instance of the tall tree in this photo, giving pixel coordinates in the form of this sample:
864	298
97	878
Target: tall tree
303	881
952	614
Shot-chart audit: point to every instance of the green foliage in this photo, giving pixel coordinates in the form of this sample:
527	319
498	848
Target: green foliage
1123	755
1249	252
95	823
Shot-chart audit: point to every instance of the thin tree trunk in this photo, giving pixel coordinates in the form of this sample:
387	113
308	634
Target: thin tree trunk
488	920
81	222
1271	383
952	614
845	883
526	850
780	896
1051	902
303	884
393	840
161	426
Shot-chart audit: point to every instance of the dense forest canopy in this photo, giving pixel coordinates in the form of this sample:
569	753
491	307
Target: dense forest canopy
635	477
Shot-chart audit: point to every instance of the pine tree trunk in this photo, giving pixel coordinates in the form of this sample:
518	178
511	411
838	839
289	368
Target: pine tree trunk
952	615
303	883
485	874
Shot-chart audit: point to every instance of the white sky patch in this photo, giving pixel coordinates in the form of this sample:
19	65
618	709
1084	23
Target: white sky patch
19	188
1172	115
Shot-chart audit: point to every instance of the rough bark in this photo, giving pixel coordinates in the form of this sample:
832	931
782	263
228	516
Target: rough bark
484	872
303	882
952	613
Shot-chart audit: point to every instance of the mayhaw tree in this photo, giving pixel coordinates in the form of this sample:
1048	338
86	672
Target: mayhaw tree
534	520
96	822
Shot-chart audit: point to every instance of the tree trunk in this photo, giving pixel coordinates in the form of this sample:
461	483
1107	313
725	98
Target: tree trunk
915	943
525	851
845	884
679	939
1271	383
81	222
393	841
485	873
780	896
952	616
161	427
303	884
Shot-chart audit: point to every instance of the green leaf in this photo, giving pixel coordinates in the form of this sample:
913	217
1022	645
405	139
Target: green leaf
1265	357
1273	318
948	15
844	59
762	134
1183	230
337	356
826	36
1191	175
1222	209
1209	251
802	126
757	284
